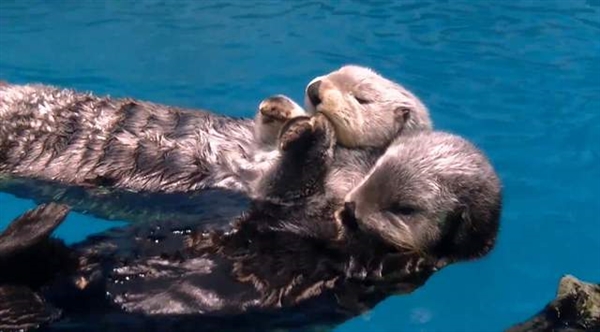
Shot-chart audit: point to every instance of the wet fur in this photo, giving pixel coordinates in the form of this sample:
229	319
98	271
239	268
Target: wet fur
124	159
110	157
283	254
278	266
82	139
433	193
28	260
288	252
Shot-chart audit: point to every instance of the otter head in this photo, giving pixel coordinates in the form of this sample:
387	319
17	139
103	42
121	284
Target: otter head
366	109
431	192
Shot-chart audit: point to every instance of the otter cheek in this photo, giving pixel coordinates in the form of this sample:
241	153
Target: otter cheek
332	102
335	108
378	225
349	125
392	229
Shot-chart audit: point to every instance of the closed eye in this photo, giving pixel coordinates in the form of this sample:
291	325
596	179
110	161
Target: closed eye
405	210
362	101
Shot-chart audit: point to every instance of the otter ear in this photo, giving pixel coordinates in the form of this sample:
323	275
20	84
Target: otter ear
402	114
453	236
466	236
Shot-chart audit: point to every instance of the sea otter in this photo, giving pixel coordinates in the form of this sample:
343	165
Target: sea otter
286	262
366	109
132	160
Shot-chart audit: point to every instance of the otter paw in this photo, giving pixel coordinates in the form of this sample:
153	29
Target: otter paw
321	124
296	133
276	109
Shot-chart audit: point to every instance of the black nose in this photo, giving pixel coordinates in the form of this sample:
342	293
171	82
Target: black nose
349	215
313	93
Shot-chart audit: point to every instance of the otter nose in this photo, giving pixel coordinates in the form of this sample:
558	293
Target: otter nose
313	93
348	215
350	207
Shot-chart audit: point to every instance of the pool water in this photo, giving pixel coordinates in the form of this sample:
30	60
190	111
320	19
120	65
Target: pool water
521	79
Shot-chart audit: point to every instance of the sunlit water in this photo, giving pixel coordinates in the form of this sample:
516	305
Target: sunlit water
521	79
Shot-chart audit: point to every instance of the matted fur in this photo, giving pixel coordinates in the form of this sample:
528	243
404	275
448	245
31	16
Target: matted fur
90	151
294	257
83	139
431	192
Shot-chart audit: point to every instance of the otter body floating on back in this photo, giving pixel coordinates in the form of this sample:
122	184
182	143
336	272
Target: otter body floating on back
291	264
82	139
124	158
133	160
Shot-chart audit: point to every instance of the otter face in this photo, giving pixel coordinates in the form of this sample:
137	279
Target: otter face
432	193
366	109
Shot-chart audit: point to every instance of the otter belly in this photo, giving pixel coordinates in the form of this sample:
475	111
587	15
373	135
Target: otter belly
104	148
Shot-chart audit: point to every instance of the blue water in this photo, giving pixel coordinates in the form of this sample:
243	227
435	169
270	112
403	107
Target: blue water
520	79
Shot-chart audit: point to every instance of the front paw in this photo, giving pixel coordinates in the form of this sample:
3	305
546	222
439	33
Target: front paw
279	108
304	132
322	126
296	133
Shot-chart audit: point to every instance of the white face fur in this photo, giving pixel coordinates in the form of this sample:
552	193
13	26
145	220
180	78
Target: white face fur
366	109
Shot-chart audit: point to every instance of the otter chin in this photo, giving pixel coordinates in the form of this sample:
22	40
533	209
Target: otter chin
366	109
432	193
